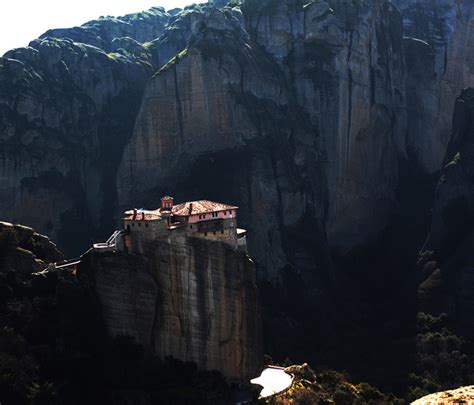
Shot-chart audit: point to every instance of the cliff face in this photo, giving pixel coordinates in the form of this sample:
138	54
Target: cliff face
446	56
66	110
188	298
301	109
283	113
447	258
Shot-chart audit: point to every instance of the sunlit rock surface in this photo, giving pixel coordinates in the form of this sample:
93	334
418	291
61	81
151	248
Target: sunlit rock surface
463	395
185	297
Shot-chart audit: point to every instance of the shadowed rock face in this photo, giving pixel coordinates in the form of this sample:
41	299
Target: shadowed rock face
191	299
298	112
448	258
298	124
306	99
66	110
446	27
24	251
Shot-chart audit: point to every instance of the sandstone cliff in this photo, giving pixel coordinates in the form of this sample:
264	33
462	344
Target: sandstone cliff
317	118
188	298
293	110
310	98
259	101
55	345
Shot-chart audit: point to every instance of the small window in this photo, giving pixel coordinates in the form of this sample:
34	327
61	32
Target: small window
190	227
139	224
214	232
128	227
222	232
146	225
205	233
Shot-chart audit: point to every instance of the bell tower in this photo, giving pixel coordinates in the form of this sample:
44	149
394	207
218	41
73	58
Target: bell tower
166	206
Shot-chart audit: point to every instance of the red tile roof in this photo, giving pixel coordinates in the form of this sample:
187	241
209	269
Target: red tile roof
200	207
183	210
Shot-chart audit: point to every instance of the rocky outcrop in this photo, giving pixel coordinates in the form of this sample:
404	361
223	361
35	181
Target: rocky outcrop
66	111
192	299
447	258
462	395
24	251
106	31
446	57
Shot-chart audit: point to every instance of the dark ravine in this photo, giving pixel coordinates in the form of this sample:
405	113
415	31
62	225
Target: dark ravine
447	257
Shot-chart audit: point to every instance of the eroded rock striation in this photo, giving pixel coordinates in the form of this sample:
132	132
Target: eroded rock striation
185	297
300	107
283	113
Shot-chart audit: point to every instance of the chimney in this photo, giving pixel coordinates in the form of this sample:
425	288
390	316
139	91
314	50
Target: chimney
135	212
190	208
